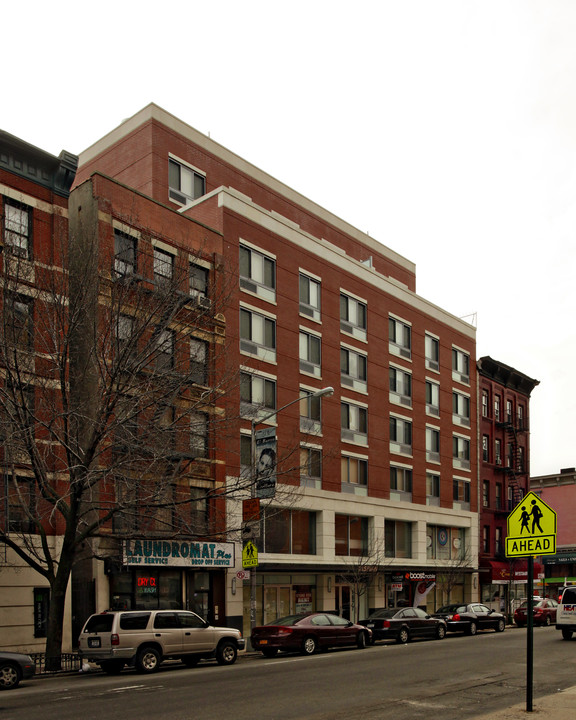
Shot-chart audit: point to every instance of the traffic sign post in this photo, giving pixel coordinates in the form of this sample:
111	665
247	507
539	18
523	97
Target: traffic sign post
531	531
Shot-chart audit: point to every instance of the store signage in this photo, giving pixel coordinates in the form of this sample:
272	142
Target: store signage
178	553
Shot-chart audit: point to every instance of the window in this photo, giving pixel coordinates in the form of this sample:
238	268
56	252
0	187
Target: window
19	503
498	496
310	354
521	465
461	452
309	294
127	518
198	277
460	409
400	483
445	543
19	321
354	423
353	369
246	452
520	417
310	412
199	511
460	366
311	467
397	539
485	493
17	228
199	361
509	412
432	398
287	531
498	452
432	444
124	254
485	403
258	335
354	471
165	344
185	183
432	488
461	492
486	539
163	268
257	394
400	386
400	435
498	544
257	273
352	316
485	448
400	341
199	434
510	455
497	408
351	533
432	352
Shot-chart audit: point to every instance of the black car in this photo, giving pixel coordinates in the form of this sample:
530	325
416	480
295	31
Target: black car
403	624
470	618
13	668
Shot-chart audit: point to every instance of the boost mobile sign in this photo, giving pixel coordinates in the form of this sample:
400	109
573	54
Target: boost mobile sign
178	553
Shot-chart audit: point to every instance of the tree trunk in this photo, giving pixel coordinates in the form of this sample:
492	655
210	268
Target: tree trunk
58	587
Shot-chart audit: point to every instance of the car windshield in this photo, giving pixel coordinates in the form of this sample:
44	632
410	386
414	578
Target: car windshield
384	613
452	609
288	620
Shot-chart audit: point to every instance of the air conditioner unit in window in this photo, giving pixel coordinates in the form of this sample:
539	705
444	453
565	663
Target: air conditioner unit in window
346	327
346	380
204	301
306	310
248	285
249	347
178	197
405	353
309	368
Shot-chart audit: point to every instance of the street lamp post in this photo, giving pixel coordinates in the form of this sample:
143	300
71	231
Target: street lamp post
324	392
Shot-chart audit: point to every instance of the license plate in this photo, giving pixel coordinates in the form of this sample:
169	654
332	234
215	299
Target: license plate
370	625
263	642
94	642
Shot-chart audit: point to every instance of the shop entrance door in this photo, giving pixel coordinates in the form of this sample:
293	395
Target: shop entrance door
276	602
343	601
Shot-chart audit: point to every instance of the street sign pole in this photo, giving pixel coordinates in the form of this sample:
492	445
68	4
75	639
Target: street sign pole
530	637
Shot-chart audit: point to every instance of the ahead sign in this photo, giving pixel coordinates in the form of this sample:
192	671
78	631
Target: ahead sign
531	528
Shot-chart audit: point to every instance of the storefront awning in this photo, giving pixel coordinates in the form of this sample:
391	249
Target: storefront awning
503	572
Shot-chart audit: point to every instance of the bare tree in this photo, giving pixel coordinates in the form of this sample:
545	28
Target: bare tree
451	573
361	571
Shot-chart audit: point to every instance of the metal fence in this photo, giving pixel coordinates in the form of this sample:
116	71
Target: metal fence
69	662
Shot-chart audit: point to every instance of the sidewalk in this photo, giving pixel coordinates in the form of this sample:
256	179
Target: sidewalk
558	705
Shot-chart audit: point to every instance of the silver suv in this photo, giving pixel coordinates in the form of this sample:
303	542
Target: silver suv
144	638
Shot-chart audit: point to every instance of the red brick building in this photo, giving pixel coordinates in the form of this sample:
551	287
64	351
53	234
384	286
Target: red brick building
504	431
313	303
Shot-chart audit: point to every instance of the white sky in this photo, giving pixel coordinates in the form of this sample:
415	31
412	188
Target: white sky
444	128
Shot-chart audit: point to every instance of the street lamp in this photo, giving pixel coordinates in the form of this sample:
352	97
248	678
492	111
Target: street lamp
323	392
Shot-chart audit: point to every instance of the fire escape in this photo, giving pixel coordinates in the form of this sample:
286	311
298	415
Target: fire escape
514	461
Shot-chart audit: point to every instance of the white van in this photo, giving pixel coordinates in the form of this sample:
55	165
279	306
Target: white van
566	613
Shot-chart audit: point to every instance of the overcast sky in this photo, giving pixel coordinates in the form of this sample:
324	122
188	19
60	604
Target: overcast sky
446	129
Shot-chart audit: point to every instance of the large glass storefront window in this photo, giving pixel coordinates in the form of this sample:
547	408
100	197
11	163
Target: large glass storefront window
288	531
146	590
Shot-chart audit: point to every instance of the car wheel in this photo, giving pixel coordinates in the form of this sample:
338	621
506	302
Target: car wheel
403	636
440	632
191	660
226	653
309	646
473	629
148	660
361	641
501	625
547	621
112	667
567	634
9	676
270	652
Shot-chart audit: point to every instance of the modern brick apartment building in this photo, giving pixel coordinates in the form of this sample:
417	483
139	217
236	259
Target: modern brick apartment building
377	484
504	411
315	303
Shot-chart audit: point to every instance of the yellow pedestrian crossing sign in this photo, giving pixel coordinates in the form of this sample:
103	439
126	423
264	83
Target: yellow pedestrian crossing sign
249	555
531	528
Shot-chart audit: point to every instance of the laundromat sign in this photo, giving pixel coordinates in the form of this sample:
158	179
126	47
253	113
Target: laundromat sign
178	553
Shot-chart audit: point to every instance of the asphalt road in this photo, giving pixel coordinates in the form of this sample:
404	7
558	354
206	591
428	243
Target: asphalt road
459	677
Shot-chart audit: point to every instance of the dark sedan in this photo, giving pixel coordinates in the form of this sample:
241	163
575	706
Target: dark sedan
13	668
471	618
543	612
403	624
308	632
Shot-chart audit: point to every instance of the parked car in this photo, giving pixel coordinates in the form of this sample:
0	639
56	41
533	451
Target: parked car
13	668
566	611
308	632
403	624
543	609
144	638
471	618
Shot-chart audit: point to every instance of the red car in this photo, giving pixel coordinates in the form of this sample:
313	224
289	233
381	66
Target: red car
308	632
544	612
